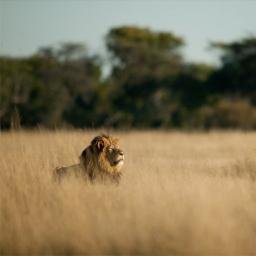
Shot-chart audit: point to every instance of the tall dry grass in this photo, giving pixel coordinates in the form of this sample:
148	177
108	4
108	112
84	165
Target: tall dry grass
181	194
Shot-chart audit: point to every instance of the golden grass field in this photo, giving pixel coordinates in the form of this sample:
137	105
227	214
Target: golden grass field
181	194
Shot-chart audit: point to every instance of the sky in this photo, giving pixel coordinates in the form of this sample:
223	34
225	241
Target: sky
27	25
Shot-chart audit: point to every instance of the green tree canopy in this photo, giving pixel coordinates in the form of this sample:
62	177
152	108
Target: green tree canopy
49	88
149	85
133	47
141	60
236	76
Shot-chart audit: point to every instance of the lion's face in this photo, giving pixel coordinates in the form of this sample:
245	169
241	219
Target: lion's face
109	152
115	155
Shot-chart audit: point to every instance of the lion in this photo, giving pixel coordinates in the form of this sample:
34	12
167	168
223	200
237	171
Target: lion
101	160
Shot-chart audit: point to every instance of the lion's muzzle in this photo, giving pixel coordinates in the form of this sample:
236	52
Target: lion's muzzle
118	157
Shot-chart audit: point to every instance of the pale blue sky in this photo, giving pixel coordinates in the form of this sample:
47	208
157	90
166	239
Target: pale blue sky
27	25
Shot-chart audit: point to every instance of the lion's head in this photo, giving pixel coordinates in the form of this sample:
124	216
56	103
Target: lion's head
103	157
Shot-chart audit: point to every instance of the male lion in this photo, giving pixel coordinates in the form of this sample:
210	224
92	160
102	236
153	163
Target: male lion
102	160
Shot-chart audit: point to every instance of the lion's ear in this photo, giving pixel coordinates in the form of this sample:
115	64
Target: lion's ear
98	143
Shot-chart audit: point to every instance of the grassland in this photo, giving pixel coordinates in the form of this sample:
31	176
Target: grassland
181	194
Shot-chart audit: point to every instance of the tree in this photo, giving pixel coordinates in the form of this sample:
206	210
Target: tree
71	51
237	75
141	59
49	90
15	88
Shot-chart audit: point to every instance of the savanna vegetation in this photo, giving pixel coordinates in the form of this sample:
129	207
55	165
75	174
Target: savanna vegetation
181	194
149	85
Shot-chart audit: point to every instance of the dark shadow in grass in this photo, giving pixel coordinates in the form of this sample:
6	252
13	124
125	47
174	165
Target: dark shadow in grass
245	169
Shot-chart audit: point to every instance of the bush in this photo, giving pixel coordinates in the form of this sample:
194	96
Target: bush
226	113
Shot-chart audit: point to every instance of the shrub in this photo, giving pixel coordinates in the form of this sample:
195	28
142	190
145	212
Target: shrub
226	113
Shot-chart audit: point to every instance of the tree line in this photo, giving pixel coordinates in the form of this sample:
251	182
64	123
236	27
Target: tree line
149	85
